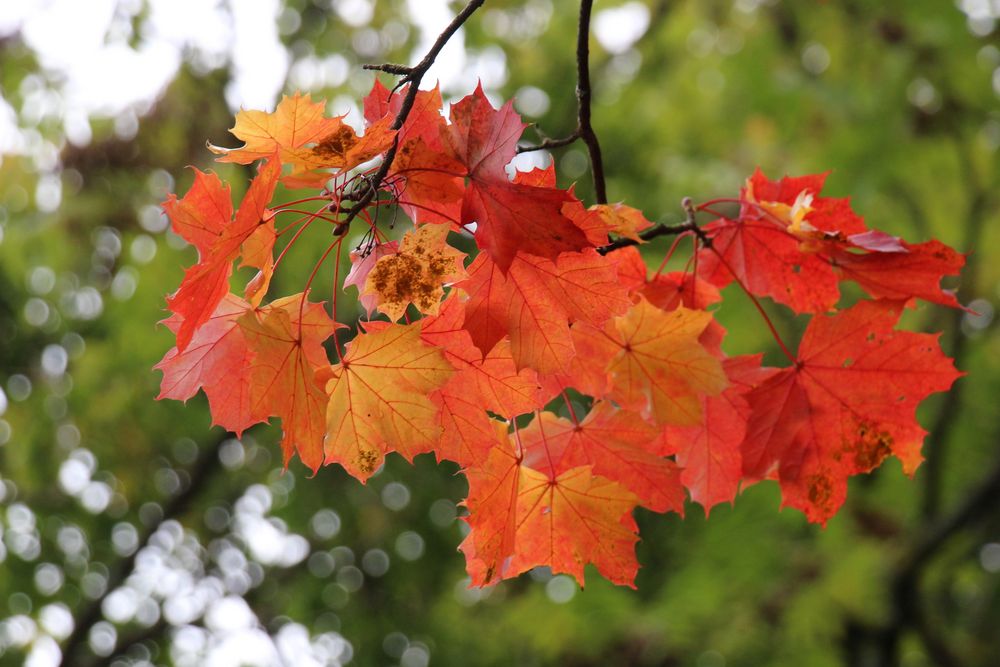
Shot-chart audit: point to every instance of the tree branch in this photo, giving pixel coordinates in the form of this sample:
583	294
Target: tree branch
90	614
661	229
980	202
413	76
584	130
656	231
981	500
583	100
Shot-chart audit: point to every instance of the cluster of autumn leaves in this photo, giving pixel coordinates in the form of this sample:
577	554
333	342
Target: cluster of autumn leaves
542	308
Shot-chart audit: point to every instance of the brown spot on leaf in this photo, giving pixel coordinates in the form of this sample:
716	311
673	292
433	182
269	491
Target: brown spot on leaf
337	144
870	446
413	276
820	490
367	460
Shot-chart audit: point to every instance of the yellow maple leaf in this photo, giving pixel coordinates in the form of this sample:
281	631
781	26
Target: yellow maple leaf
295	122
660	368
622	220
378	399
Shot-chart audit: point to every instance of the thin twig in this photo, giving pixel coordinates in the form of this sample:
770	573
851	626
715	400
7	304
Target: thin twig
389	68
550	143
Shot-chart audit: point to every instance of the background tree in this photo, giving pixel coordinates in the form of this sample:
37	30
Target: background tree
130	535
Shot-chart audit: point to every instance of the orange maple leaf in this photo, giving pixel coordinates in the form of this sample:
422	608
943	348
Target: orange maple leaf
492	383
204	215
649	361
617	444
522	518
622	220
535	302
287	337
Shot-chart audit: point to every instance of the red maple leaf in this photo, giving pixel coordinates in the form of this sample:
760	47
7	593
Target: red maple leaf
849	402
204	212
217	360
794	246
915	271
427	180
709	452
510	217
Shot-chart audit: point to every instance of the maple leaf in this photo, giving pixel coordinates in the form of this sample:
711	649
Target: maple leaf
652	363
535	302
622	220
522	518
709	452
426	179
667	291
510	217
295	122
514	218
492	383
217	360
201	216
631	269
361	265
849	402
791	200
796	248
617	444
340	148
763	248
427	184
914	271
416	273
424	121
287	338
206	212
768	261
378	399
483	138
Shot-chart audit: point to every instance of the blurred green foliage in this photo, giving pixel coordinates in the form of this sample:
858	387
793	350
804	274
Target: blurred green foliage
897	99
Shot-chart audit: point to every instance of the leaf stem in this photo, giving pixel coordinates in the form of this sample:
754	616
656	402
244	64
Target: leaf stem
569	406
288	247
547	144
670	253
756	304
312	276
334	292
